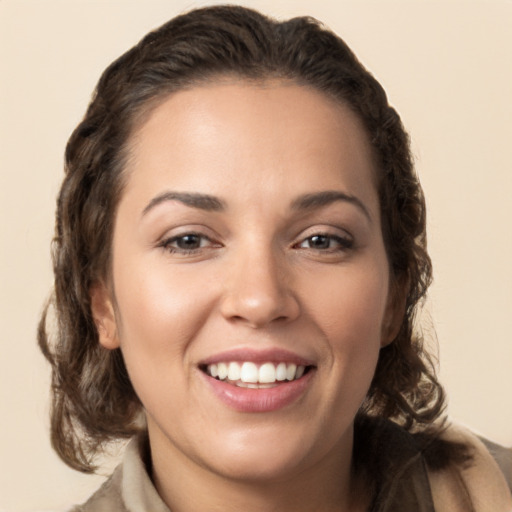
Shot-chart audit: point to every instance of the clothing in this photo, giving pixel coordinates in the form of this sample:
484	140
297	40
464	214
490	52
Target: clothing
413	488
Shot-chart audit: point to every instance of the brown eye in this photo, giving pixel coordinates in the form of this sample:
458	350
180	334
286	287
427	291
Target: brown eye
186	243
322	242
319	242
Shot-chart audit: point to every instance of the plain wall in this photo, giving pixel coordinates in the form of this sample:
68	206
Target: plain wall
447	69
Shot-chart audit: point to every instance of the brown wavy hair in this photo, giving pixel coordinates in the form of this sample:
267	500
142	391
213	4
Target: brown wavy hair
93	401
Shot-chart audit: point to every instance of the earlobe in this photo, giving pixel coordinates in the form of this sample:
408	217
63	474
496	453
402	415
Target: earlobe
104	316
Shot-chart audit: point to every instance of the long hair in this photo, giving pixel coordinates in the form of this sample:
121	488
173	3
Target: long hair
93	399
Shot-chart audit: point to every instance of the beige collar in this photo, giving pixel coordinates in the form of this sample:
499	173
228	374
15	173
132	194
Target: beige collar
479	488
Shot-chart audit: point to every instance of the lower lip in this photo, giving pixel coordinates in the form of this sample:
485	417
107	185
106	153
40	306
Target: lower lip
259	400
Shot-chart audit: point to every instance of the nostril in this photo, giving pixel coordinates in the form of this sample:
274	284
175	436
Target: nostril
258	297
257	316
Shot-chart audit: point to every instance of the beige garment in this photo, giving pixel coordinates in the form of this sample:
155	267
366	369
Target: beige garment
481	487
129	489
413	488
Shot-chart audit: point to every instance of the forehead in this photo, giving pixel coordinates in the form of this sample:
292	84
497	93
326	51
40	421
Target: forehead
209	136
244	100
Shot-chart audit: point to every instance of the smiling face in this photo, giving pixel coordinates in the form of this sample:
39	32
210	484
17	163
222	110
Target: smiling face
250	279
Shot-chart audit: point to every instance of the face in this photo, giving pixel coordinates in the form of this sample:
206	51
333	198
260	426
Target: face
250	293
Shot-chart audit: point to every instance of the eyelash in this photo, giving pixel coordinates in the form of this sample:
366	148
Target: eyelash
343	243
167	243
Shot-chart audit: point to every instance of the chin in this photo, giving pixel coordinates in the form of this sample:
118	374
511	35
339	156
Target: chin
265	455
260	466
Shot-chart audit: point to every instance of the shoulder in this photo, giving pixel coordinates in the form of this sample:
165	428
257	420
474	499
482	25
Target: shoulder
503	457
130	488
480	483
108	498
446	469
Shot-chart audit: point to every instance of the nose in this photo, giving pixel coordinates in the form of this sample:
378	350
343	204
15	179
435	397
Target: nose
258	291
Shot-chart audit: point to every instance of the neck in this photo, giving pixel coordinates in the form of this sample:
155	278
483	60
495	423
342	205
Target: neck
326	484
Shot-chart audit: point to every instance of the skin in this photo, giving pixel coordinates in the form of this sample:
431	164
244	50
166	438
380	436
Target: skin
257	279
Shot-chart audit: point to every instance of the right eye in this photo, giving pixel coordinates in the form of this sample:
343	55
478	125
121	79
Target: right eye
186	243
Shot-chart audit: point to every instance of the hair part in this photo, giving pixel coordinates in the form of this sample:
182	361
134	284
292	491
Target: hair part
93	401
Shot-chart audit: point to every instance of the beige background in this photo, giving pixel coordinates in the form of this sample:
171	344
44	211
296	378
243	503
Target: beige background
447	68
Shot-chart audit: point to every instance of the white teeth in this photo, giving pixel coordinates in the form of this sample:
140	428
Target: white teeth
214	371
290	371
250	375
267	373
223	370
281	371
234	371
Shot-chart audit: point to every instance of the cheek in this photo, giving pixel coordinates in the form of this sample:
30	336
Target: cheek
349	309
158	313
158	316
152	297
351	303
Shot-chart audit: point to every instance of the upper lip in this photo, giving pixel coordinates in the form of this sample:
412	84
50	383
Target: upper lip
275	355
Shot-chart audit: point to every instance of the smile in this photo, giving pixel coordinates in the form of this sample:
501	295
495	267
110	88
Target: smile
251	375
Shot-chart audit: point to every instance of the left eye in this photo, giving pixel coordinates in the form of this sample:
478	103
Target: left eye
325	242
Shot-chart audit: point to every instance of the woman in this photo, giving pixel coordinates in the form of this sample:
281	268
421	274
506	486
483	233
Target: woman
239	256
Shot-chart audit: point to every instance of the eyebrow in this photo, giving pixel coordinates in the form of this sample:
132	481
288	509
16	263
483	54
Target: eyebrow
214	204
327	197
192	199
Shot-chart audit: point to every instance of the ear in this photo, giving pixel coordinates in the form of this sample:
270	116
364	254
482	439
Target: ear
395	311
103	313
